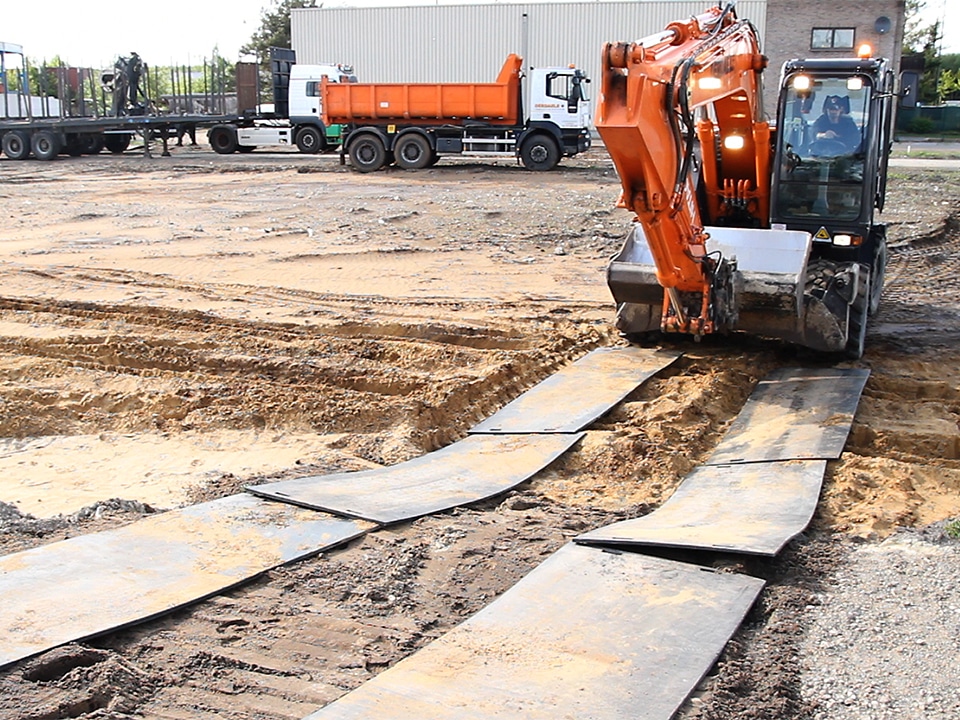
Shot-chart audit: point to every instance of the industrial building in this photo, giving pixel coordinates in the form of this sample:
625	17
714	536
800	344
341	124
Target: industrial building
468	42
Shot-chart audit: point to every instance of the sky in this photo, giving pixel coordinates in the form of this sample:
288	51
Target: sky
93	33
948	12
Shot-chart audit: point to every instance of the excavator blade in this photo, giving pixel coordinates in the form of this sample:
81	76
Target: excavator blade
769	282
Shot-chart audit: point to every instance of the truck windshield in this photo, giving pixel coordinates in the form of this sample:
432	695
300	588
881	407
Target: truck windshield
821	133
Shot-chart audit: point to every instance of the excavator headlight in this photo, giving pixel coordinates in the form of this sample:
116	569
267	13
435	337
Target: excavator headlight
855	83
801	83
733	142
710	83
845	240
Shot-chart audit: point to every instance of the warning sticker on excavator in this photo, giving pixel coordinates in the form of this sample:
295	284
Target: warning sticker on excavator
822	234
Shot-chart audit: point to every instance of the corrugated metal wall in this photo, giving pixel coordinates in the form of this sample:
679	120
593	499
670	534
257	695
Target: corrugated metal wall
468	43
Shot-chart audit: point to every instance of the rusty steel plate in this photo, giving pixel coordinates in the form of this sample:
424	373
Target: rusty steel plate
588	634
574	397
472	469
794	414
92	584
755	509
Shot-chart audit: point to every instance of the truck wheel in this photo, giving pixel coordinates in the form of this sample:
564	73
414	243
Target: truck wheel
16	145
45	145
367	153
73	146
116	143
222	139
309	141
412	152
540	152
91	144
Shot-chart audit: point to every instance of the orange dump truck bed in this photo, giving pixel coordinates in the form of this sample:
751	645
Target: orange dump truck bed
497	102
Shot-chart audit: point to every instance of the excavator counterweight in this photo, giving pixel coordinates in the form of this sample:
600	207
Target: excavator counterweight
740	225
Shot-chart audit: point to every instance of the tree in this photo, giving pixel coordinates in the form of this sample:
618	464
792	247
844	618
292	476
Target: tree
274	28
922	39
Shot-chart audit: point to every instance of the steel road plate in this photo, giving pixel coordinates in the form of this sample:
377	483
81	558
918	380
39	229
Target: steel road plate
588	634
472	469
755	509
580	393
794	414
91	584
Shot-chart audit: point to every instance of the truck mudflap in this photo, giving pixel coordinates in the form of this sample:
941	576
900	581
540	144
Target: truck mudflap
774	296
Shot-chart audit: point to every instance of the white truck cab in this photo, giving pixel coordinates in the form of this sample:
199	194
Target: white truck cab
305	103
559	95
302	125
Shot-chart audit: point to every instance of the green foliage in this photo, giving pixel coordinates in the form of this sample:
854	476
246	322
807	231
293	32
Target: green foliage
953	529
274	28
948	84
916	34
920	126
950	62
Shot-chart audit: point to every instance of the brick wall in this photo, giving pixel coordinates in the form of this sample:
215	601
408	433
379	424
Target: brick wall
789	26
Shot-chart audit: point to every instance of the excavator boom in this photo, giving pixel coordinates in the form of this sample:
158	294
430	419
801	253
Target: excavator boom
651	117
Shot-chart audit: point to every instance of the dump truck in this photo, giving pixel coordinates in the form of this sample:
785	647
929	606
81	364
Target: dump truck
412	125
741	226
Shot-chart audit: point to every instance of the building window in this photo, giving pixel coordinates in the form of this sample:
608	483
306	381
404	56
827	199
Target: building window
832	39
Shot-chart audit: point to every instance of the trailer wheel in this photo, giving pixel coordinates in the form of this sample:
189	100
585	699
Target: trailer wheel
73	146
45	145
540	152
91	144
412	152
223	140
16	145
367	153
117	143
309	141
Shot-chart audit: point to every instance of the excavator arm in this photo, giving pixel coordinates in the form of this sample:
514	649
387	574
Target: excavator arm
694	85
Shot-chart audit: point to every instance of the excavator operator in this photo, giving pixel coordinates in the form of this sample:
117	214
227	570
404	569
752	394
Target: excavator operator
835	128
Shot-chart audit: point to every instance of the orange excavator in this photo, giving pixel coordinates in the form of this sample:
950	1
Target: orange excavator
743	225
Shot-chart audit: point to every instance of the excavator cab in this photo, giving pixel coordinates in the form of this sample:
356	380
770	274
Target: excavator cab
835	128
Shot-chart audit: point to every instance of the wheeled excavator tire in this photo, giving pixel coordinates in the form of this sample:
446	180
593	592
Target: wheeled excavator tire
837	303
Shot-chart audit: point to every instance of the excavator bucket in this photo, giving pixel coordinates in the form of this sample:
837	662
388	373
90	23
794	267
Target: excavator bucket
769	286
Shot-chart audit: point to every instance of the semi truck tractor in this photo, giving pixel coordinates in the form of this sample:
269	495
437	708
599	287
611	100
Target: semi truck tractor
294	117
412	125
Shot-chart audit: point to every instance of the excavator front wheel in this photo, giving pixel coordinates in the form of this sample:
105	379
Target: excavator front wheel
859	312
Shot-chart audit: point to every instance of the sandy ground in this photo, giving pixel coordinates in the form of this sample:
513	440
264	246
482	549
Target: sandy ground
172	329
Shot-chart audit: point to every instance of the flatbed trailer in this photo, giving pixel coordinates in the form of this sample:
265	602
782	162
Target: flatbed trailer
46	138
35	122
